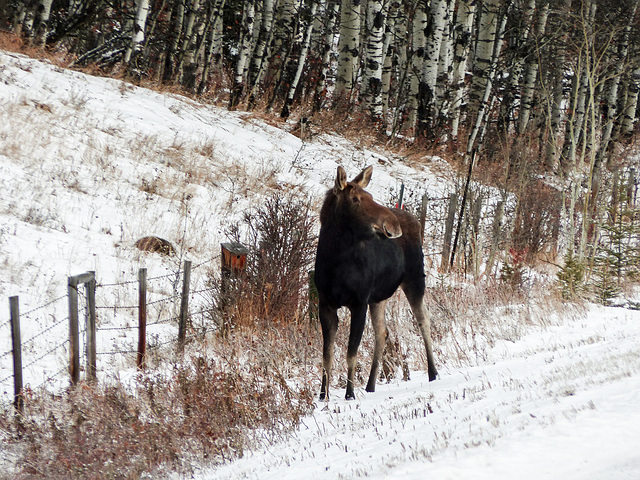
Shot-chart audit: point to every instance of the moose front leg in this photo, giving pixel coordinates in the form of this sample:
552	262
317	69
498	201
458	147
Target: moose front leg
358	318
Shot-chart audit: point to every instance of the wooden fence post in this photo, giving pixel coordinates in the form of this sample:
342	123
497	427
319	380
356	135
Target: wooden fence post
142	318
91	328
423	215
74	334
448	231
14	307
74	331
184	306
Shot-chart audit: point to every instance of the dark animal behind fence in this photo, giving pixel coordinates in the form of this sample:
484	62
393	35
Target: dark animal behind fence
365	252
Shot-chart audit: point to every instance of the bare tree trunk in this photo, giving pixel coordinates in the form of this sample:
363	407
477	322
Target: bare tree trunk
177	20
524	49
214	44
301	61
137	38
415	61
631	105
332	9
531	72
427	105
611	99
41	22
243	53
464	22
374	55
348	50
487	28
259	58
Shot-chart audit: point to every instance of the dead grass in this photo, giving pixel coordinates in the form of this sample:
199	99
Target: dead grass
204	410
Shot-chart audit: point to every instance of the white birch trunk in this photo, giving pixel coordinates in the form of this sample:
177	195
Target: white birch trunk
388	50
484	50
139	25
214	43
517	66
374	54
259	57
302	59
332	9
41	26
427	106
531	72
348	49
244	47
464	22
416	59
612	94
629	113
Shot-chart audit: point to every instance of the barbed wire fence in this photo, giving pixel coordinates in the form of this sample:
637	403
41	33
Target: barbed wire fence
112	333
109	331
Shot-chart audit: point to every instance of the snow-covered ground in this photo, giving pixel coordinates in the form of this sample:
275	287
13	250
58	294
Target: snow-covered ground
89	165
561	403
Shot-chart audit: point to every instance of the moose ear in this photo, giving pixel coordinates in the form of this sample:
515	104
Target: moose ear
364	177
341	180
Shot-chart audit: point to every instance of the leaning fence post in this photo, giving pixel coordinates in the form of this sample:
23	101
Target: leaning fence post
423	215
91	328
184	306
74	333
142	318
14	307
448	232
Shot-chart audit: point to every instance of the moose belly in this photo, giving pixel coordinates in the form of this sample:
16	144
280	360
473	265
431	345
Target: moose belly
361	280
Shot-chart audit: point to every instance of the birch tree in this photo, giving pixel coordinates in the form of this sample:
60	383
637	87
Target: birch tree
348	50
462	47
531	71
332	9
137	37
302	59
427	108
259	58
244	47
374	57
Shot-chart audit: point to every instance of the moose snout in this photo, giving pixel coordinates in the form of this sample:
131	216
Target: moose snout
392	229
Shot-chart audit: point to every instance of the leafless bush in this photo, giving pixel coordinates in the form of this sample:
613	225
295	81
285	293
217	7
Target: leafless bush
281	243
202	411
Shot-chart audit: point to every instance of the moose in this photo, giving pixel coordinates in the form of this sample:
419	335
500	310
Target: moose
365	252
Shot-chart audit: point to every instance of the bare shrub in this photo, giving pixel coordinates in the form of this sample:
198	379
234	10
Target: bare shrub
537	219
281	243
203	411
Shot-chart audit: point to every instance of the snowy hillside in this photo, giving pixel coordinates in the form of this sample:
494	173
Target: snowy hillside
89	165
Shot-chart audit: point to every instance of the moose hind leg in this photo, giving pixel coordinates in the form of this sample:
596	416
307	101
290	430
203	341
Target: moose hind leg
358	318
329	322
380	332
416	301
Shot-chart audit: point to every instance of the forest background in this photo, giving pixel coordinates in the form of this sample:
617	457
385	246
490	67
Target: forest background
538	98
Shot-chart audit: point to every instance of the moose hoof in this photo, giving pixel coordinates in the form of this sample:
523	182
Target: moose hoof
433	376
350	396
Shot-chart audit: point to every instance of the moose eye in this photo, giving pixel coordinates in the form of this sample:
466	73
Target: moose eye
355	199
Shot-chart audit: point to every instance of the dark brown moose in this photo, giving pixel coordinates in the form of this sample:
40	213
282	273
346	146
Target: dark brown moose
365	252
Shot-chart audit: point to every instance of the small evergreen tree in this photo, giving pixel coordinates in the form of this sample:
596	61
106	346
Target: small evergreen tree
571	276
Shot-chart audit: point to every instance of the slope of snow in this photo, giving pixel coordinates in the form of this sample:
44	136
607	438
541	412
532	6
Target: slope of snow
558	404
